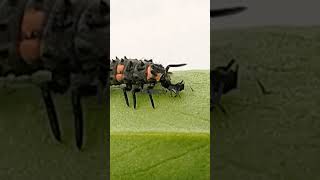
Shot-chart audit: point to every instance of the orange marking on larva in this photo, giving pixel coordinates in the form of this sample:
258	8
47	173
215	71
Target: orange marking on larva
158	77
120	68
148	72
119	77
32	23
30	50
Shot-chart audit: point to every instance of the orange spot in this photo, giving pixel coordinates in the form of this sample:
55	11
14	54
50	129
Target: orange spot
119	77
158	77
120	68
32	23
148	72
150	75
30	50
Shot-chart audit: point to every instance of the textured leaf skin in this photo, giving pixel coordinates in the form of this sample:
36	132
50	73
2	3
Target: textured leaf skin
169	142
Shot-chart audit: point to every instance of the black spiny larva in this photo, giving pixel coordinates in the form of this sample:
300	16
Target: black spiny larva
68	38
135	74
222	78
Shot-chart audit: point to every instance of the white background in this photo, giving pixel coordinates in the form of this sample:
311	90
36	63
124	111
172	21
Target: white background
167	31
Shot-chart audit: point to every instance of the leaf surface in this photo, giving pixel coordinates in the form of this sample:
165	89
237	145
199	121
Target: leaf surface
272	136
168	142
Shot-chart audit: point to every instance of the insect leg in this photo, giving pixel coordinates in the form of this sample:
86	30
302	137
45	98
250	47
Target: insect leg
220	91
52	115
82	86
134	99
78	117
134	91
263	89
125	89
218	98
222	108
126	96
228	66
151	99
150	96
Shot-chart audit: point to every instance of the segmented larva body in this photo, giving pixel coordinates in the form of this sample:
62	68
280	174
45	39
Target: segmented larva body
57	35
135	74
69	38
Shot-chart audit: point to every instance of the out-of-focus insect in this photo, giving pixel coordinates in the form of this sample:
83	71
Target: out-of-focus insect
68	38
135	74
222	78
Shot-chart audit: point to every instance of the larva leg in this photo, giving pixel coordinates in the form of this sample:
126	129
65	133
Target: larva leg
82	86
126	97
78	116
222	108
134	99
263	89
52	115
218	98
151	99
150	96
134	91
125	89
59	84
76	95
220	90
228	66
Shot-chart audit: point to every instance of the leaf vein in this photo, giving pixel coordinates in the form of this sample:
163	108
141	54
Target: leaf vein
165	161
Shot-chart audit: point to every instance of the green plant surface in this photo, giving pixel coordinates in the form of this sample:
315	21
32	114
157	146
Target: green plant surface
272	136
28	148
171	141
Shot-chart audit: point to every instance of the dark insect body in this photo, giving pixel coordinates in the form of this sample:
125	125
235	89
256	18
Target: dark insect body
68	38
136	74
223	79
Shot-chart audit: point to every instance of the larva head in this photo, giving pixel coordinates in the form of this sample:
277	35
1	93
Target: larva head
165	80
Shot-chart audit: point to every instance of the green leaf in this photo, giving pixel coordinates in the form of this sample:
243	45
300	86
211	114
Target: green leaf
171	141
268	135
